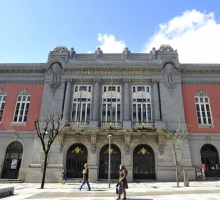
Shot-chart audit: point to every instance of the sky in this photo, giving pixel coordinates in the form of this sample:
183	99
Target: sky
30	29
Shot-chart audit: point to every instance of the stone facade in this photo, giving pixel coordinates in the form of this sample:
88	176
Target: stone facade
158	70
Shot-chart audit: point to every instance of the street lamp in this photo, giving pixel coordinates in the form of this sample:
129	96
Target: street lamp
109	162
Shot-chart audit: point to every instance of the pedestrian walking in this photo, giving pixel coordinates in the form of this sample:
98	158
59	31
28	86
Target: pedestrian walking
85	177
122	184
64	175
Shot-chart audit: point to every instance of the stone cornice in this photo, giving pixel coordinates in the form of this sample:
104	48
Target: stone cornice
23	68
200	82
22	81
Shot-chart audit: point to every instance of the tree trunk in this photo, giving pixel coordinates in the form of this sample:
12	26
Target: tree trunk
44	169
177	176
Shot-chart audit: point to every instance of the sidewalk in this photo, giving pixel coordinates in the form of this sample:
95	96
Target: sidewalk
137	191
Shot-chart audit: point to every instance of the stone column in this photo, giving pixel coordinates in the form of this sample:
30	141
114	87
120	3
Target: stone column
126	105
156	101
67	100
95	103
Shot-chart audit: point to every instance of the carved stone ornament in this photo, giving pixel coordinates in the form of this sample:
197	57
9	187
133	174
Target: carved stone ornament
143	139
93	143
2	91
60	49
161	139
167	48
72	53
153	53
160	149
98	53
15	137
208	139
60	139
126	53
201	94
169	74
55	70
127	148
127	139
77	137
24	92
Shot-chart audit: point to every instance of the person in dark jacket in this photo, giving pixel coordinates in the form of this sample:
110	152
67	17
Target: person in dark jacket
85	177
122	181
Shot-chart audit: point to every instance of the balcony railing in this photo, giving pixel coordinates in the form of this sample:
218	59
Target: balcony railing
79	123
144	125
111	124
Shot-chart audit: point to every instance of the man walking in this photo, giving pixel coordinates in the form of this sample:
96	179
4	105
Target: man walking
85	177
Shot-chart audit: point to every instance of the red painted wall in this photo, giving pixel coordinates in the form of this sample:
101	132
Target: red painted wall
188	92
10	103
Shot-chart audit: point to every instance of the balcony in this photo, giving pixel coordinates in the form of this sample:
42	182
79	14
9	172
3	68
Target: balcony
146	126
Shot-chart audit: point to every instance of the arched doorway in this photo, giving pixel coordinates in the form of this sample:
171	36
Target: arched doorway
210	159
75	160
143	162
104	160
12	161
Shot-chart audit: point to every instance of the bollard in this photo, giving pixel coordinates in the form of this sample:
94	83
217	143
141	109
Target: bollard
186	178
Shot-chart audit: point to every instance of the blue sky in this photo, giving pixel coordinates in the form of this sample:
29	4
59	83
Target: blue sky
30	29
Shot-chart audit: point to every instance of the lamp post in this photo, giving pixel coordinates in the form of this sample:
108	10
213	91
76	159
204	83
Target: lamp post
109	162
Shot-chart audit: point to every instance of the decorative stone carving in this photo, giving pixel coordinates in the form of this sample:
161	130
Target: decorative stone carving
153	53
93	143
126	53
98	53
127	148
15	137
77	137
55	70
201	94
24	92
126	80
208	139
143	139
60	49
167	48
169	72
161	139
155	81
2	92
127	138
72	53
60	139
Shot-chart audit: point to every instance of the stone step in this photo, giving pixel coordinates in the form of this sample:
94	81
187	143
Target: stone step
10	180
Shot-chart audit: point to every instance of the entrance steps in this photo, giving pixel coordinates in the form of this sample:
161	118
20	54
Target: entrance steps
10	180
212	178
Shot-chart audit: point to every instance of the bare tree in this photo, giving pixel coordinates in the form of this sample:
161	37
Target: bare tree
47	136
176	136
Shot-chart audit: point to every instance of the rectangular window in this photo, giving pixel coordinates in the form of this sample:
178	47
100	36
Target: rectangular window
111	111
2	105
22	107
141	112
203	110
81	104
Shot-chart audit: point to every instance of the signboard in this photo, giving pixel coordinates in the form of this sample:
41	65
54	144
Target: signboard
14	163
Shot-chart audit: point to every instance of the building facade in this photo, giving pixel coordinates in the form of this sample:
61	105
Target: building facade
123	99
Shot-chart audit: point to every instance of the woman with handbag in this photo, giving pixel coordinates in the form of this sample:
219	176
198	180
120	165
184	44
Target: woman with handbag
122	184
85	173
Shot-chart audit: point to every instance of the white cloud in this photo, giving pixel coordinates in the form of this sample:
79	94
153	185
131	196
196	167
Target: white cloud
195	35
89	51
109	44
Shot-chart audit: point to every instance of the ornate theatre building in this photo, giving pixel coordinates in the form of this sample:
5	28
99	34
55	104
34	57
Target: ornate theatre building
122	99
